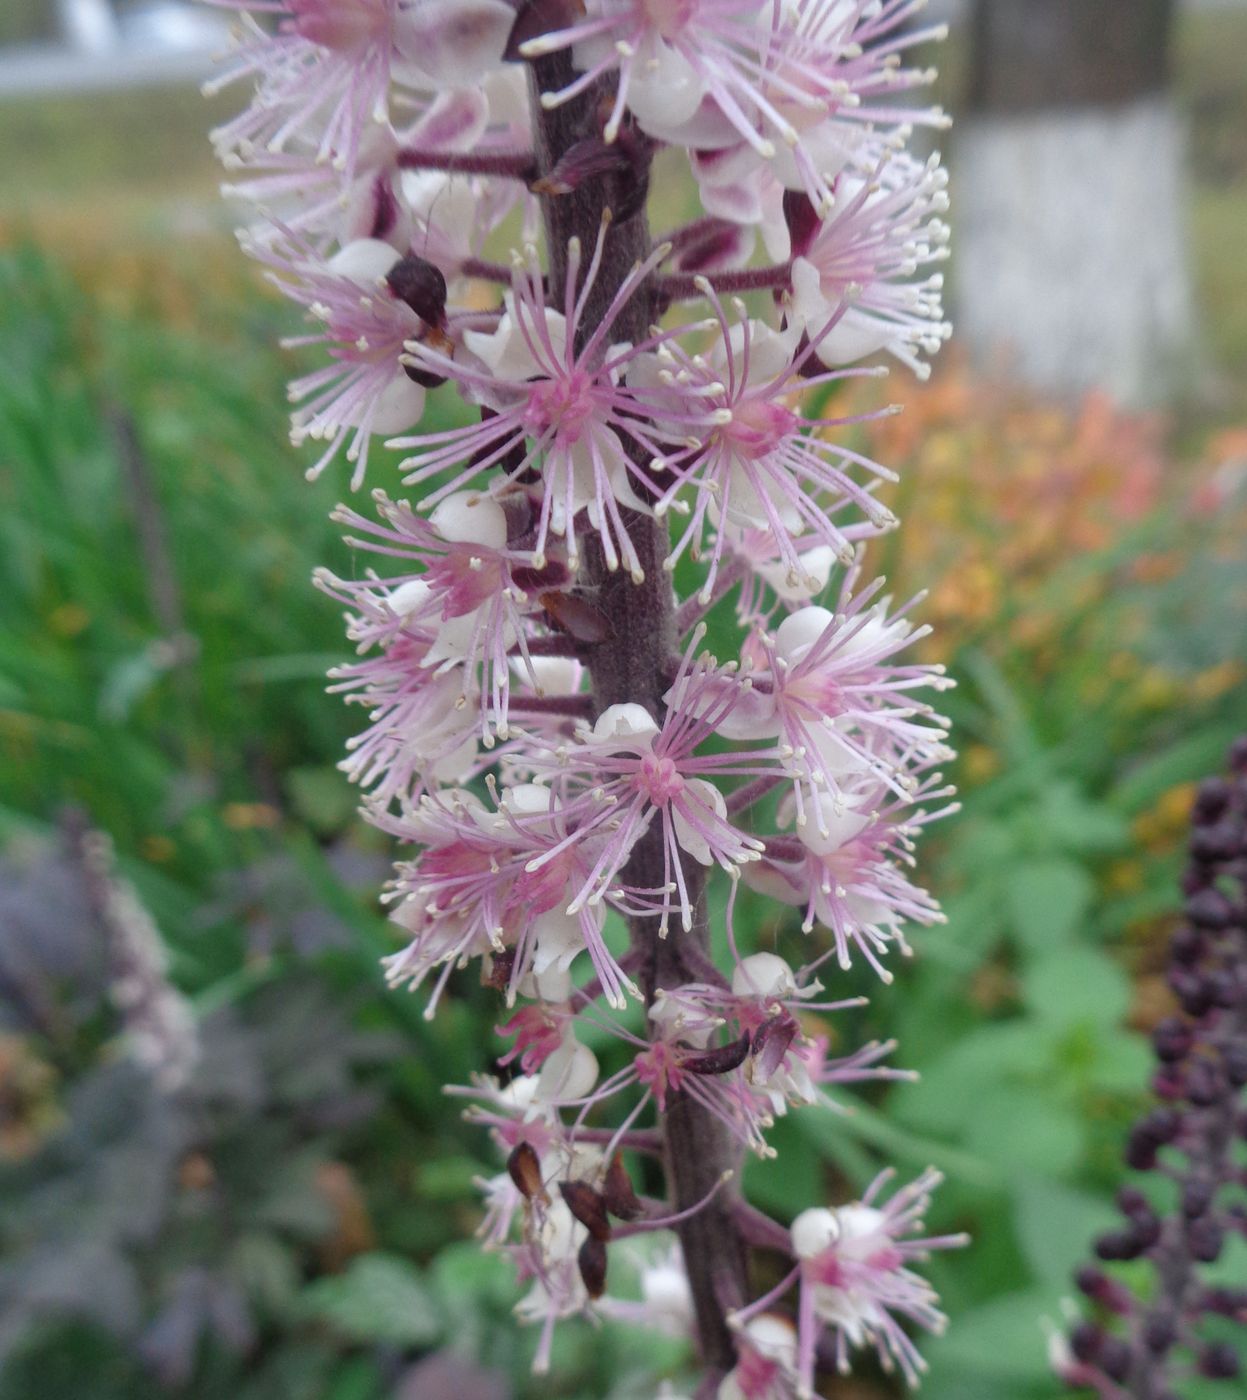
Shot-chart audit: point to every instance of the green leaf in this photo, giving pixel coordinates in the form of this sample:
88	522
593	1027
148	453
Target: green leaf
1190	758
1079	825
1004	1338
358	1379
1022	1131
465	1277
1122	1065
1047	901
792	1178
381	1297
1055	1224
944	1100
267	1270
448	1178
322	798
839	1135
1081	986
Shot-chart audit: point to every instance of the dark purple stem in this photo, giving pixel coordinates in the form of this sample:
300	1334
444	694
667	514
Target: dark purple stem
690	613
486	271
647	1140
750	793
687	234
573	706
633	665
759	1229
565	648
505	165
683	286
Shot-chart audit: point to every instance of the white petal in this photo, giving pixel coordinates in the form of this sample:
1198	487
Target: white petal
800	630
399	406
454	121
506	351
454	41
409	598
856	335
569	1073
558	940
830	822
665	89
808	303
365	260
529	799
628	722
707	795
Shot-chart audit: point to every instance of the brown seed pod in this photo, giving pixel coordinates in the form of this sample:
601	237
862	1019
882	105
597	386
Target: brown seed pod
621	1200
524	1168
587	1206
592	1261
579	619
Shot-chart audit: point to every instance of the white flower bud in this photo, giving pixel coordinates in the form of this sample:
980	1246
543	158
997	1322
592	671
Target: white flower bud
764	975
814	1231
468	517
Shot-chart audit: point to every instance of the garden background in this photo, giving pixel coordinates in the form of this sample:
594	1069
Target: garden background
294	1218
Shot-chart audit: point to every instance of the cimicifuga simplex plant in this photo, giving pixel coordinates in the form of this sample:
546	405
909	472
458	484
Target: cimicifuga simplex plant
1154	1332
566	764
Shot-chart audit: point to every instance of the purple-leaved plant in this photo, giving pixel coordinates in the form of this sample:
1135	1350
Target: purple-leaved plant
1145	1346
544	728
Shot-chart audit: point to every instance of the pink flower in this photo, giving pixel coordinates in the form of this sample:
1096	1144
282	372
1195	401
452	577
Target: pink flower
366	389
863	260
326	74
855	1277
628	771
828	686
766	1351
751	460
792	86
464	585
548	408
847	869
498	883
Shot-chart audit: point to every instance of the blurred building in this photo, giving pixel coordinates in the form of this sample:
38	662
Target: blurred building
1072	265
74	45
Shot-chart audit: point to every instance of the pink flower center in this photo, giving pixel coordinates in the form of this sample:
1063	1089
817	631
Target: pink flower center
819	691
659	1070
565	405
846	866
538	891
758	427
659	779
468	576
537	1036
447	870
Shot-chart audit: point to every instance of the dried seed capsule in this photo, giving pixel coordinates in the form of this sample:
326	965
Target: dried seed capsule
621	1200
421	285
592	1262
524	1168
587	1206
